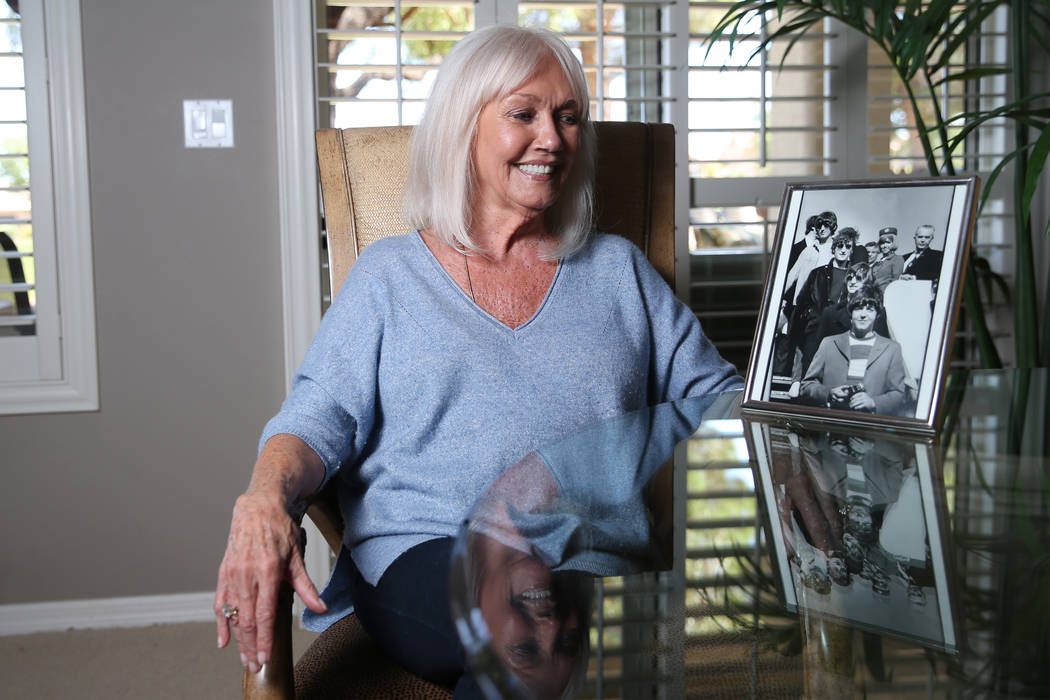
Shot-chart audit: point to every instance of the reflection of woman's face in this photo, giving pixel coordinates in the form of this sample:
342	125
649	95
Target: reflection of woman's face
532	634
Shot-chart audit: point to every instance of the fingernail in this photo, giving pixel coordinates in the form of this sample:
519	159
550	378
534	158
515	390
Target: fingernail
218	642
253	667
244	660
262	659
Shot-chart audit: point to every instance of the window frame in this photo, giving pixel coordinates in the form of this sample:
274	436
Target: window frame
66	378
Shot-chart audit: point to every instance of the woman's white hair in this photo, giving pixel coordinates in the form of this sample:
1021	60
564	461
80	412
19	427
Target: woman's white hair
487	65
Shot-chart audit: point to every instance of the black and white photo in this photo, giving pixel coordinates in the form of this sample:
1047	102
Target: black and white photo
861	298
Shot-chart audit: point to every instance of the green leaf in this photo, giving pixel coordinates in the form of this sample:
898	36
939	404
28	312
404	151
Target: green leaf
971	74
1036	161
968	25
987	190
989	278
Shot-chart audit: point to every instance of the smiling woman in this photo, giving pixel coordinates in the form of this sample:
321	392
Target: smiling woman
502	322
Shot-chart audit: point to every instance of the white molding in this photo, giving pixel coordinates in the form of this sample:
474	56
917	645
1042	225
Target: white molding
676	50
102	613
76	387
296	178
298	207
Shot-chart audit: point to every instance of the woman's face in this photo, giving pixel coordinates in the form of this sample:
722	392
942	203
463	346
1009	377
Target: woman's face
885	247
525	147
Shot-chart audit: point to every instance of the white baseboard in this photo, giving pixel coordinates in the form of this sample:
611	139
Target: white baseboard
138	611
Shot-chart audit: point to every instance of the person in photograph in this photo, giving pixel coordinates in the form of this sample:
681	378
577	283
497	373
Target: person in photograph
809	238
858	370
923	263
829	221
824	286
873	250
887	266
859	253
835	318
813	250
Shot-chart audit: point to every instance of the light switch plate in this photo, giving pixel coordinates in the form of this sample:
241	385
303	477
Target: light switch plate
208	123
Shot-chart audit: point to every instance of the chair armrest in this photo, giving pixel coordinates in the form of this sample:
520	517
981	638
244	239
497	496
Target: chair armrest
275	680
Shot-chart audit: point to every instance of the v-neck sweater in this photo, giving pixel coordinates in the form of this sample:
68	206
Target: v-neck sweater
416	399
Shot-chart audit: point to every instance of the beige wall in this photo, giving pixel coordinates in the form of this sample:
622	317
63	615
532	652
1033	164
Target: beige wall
135	498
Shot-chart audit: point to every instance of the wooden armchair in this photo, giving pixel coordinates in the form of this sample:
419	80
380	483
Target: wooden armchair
362	175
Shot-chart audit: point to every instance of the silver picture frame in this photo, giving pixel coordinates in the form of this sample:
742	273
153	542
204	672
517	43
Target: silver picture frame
861	332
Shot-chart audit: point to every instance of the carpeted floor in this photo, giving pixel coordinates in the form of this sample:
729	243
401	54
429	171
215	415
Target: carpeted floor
179	662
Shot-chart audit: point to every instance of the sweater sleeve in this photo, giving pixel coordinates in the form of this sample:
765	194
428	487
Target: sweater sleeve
332	402
684	362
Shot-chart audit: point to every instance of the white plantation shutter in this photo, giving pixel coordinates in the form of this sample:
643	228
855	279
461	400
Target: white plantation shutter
47	343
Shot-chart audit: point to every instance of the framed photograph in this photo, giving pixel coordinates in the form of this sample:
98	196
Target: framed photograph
857	526
861	300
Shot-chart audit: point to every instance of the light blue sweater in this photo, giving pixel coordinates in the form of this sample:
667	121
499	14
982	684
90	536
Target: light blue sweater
416	399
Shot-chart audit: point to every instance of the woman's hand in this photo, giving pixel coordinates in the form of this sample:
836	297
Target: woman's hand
262	550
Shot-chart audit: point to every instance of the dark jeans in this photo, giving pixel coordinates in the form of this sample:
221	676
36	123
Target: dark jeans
407	614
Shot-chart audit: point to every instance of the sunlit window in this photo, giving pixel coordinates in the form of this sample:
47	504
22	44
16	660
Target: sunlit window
376	64
17	271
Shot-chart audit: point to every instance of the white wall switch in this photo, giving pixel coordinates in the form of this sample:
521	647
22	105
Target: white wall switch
208	123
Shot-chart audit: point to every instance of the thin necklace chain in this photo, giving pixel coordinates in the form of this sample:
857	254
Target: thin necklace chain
470	285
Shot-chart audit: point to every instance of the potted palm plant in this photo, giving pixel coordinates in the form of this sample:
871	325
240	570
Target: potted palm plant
922	41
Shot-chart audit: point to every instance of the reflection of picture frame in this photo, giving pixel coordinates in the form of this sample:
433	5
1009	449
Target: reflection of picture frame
879	258
895	580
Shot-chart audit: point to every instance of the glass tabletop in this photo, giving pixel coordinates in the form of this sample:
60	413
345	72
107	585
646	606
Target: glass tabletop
686	551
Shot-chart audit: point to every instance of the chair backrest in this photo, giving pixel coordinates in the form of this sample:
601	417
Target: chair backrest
363	173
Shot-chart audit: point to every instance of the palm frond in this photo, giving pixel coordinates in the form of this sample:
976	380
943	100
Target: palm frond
1036	162
993	176
990	279
970	74
960	30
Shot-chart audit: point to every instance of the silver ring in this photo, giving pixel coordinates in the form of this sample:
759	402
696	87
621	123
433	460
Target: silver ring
229	611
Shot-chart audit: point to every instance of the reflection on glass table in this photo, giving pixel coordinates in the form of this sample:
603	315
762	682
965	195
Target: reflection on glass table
856	525
773	560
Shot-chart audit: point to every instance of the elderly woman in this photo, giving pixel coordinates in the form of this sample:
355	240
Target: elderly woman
452	351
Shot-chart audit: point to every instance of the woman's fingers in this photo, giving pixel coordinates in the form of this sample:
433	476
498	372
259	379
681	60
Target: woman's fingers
244	630
250	573
220	617
303	585
265	614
